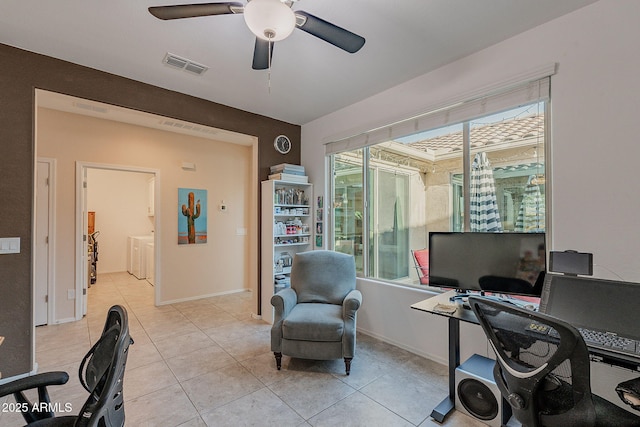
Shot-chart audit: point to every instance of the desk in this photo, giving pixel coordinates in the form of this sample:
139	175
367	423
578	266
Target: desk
466	315
461	314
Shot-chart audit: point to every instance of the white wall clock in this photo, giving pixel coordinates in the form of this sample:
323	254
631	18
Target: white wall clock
282	144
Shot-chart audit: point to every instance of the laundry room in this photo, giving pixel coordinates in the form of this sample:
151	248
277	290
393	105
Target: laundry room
120	203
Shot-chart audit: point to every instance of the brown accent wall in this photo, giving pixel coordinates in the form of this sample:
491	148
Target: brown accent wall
21	73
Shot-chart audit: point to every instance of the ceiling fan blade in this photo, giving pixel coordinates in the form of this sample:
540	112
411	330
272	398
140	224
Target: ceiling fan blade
193	10
261	54
331	33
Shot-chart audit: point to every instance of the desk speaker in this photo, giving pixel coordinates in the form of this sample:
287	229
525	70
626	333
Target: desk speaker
477	394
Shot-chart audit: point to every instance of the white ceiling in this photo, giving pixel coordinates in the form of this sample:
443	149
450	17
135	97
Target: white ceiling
309	77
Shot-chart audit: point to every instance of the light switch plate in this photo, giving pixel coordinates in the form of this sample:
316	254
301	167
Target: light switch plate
9	245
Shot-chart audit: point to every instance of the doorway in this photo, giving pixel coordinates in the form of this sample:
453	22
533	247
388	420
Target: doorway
119	199
67	131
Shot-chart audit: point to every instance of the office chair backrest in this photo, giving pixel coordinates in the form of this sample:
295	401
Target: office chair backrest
542	365
322	276
102	373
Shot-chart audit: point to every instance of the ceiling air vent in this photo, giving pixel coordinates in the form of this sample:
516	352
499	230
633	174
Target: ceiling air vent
195	68
184	64
90	107
189	127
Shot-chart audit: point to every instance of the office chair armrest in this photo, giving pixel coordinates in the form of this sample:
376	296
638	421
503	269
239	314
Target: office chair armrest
351	303
629	393
283	302
34	381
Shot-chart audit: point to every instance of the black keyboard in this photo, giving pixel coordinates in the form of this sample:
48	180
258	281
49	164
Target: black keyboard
611	342
596	339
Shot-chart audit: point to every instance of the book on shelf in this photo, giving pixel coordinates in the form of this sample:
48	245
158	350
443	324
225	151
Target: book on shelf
301	179
288	169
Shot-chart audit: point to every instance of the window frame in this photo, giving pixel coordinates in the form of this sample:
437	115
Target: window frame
365	172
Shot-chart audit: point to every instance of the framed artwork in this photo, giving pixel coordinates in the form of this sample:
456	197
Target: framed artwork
192	216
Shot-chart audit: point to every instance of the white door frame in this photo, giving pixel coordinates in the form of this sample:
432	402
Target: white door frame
51	293
81	242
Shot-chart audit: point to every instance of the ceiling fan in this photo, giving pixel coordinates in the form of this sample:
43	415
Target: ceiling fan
270	21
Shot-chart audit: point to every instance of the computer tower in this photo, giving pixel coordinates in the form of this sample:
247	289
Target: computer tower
477	394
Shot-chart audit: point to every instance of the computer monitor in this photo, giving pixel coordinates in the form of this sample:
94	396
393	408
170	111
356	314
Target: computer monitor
571	262
597	304
510	263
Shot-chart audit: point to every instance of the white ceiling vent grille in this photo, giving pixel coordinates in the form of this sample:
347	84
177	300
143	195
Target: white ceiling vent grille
184	64
90	107
188	127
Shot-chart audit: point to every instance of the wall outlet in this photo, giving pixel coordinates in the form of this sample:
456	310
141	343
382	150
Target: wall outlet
71	294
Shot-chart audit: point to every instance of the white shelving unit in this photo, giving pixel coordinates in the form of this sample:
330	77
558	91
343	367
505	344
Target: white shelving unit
287	228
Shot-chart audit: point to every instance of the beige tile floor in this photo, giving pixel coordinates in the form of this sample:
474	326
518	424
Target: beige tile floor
208	363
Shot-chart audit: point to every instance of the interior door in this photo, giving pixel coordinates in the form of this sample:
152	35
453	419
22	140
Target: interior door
41	276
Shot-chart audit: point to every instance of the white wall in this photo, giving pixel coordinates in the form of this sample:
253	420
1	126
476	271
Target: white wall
594	145
223	265
119	199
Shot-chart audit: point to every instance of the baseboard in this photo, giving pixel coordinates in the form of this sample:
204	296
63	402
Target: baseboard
194	298
404	347
67	320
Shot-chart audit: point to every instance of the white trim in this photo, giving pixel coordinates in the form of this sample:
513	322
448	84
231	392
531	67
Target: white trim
531	86
66	320
34	183
216	294
81	246
412	349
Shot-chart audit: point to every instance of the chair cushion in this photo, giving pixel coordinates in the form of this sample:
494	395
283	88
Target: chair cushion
422	264
314	322
323	276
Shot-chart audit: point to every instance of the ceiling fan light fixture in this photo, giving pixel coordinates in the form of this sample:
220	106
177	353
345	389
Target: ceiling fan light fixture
269	19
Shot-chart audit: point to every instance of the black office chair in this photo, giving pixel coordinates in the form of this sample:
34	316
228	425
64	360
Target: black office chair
543	370
629	392
101	374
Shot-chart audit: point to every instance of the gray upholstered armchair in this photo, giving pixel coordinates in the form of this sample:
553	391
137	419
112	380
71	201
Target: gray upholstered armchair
316	317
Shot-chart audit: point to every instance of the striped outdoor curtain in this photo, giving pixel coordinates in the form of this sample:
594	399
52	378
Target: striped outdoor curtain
483	210
531	215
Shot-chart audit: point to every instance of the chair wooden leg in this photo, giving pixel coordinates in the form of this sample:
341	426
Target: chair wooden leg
278	359
347	364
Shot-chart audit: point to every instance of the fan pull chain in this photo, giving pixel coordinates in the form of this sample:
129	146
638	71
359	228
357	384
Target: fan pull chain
269	54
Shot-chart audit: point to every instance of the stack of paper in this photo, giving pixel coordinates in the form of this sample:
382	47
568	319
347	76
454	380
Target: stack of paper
288	172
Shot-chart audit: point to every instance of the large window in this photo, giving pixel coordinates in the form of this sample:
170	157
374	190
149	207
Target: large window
347	208
486	173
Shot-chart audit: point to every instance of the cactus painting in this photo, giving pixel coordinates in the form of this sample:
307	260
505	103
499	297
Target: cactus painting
192	216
